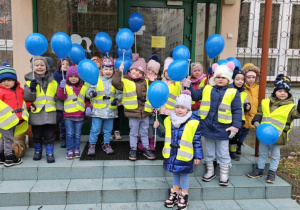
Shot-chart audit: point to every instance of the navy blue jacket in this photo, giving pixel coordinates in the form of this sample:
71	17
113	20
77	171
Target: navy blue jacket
58	76
178	166
210	126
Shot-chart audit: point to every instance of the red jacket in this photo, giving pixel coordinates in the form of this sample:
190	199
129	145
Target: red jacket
13	98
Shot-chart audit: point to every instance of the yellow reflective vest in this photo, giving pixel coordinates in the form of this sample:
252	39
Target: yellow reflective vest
174	91
130	100
75	103
9	119
43	99
186	148
202	84
243	99
278	117
224	110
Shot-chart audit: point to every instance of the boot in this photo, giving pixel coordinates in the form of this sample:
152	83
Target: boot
224	175
63	143
183	201
239	148
232	151
12	160
271	177
172	200
2	158
151	144
37	151
50	153
210	173
140	145
256	173
148	154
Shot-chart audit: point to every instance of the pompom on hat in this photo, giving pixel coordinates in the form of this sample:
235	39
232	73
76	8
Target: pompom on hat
225	71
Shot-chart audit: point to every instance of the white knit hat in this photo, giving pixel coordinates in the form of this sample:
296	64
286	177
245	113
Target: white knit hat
222	71
184	100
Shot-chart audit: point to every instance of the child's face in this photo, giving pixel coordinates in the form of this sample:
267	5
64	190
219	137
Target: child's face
239	80
151	73
221	81
281	94
196	73
181	111
250	80
65	65
107	72
97	63
166	74
40	67
8	83
73	79
135	73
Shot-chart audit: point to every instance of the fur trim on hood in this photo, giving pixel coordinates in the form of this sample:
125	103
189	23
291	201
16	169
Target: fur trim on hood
252	68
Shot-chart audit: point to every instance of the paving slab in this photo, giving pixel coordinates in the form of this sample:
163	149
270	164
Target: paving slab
152	189
221	205
279	189
118	206
284	204
118	169
251	204
83	206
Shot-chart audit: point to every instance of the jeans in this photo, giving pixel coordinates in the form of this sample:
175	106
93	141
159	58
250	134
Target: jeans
73	134
243	134
96	127
263	155
217	150
184	180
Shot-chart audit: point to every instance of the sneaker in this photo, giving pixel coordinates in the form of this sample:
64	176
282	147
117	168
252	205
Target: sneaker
172	200
117	135
77	153
70	155
132	154
183	201
2	158
148	154
271	177
256	173
12	160
107	148
91	151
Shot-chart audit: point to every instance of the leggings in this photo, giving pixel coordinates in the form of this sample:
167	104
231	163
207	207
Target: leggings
184	180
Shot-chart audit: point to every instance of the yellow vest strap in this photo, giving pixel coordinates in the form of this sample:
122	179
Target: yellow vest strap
224	107
129	94
205	103
172	96
273	121
130	103
203	112
40	98
224	116
8	120
101	92
39	106
185	154
5	110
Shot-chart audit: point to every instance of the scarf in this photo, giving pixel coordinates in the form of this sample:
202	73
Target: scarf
198	79
178	121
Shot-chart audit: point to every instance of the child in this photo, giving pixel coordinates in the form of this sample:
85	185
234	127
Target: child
97	61
198	79
62	68
238	83
14	115
105	99
280	111
182	148
136	106
174	91
41	92
221	118
72	92
252	89
151	75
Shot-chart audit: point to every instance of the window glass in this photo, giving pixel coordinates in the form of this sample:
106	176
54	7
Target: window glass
295	29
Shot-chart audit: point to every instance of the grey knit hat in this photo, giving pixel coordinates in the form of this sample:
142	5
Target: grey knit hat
184	100
40	58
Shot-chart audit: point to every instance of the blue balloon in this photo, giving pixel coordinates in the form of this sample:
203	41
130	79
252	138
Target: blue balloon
158	94
267	133
127	63
103	42
181	52
61	44
125	39
135	21
235	61
222	62
214	45
36	44
128	53
76	53
88	71
178	69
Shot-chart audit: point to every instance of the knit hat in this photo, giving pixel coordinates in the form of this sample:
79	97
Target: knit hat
167	62
154	66
154	57
184	100
7	72
72	71
196	66
107	62
4	63
35	58
282	82
236	72
225	70
97	58
60	60
140	64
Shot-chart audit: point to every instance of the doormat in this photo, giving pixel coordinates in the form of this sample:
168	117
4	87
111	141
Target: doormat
121	149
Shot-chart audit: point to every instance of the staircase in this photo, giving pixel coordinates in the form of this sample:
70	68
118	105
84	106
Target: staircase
143	184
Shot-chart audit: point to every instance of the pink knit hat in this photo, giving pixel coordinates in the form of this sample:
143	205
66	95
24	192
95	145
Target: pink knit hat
140	64
196	66
72	71
154	66
167	62
251	73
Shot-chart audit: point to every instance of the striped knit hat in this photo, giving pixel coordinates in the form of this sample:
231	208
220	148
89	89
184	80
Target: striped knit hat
7	72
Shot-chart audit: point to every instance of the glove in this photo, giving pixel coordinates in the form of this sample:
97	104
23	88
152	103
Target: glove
33	85
33	106
114	102
88	111
186	82
62	84
233	131
256	124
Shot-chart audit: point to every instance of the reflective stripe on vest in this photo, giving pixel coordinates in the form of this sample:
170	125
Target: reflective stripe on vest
243	98
278	117
186	149
75	103
174	91
202	84
43	99
224	110
98	101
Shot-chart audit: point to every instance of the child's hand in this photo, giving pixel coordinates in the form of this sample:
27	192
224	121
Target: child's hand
186	82
256	124
32	107
152	77
33	85
121	68
62	84
197	161
233	131
248	106
156	124
93	94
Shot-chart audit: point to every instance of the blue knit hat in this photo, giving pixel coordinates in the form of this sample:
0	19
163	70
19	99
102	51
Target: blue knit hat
7	72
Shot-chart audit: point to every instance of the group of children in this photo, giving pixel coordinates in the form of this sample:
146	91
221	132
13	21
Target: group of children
217	109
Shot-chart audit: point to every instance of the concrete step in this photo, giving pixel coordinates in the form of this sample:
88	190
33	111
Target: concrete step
126	190
250	204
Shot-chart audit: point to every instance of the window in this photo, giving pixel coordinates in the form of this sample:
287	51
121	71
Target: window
295	29
243	33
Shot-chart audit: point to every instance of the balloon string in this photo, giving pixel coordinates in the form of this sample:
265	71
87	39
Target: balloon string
211	70
123	62
155	129
32	61
135	42
188	72
62	73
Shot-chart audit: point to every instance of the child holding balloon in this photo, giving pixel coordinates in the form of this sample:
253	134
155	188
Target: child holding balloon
40	90
279	110
182	148
221	118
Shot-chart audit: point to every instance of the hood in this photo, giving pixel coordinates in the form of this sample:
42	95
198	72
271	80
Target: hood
252	68
277	102
48	76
